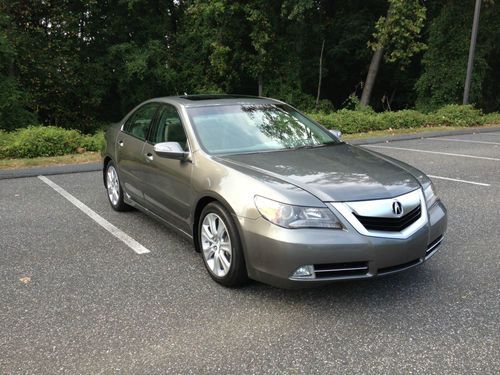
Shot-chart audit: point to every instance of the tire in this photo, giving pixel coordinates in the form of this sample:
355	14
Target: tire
220	246
114	189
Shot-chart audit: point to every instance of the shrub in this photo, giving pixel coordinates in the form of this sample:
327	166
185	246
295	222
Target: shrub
36	141
492	118
364	119
457	115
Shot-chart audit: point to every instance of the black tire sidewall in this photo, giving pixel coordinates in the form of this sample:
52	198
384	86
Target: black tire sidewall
237	274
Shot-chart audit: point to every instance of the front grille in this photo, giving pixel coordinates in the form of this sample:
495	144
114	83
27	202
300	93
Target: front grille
388	224
399	267
323	271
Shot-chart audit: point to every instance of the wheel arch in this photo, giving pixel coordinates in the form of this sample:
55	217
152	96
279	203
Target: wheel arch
203	201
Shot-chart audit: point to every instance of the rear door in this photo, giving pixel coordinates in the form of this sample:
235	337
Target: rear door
168	190
130	145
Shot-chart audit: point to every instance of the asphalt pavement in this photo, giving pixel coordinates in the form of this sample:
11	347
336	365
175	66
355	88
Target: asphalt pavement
75	299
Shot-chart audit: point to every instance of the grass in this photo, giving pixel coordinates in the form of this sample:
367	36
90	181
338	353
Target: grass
86	157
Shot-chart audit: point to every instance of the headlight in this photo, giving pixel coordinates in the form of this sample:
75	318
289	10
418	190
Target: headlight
289	216
430	195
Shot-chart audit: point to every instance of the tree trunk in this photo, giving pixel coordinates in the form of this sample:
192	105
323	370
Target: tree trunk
260	85
371	76
320	71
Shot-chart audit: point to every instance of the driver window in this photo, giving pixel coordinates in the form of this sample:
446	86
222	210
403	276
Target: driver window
169	128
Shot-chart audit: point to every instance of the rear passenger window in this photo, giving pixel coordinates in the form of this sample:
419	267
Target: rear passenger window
138	124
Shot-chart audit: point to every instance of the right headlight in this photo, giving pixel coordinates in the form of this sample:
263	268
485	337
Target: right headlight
430	195
289	216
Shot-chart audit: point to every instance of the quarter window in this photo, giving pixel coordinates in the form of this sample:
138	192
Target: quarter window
138	124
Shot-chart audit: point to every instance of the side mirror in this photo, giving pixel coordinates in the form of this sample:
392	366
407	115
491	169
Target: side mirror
337	133
170	150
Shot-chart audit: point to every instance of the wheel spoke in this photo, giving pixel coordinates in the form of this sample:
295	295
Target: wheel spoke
217	266
213	225
224	262
206	233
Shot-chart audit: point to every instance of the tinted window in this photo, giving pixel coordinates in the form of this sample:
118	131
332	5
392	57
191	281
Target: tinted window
254	128
138	124
169	127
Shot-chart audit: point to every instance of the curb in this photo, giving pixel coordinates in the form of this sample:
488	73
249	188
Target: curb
93	167
406	137
57	169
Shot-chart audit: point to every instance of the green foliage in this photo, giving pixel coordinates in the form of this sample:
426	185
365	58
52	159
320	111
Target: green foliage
492	118
445	62
13	112
36	141
398	33
77	64
359	121
457	115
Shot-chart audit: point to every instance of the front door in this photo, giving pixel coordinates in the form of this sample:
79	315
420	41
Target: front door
168	190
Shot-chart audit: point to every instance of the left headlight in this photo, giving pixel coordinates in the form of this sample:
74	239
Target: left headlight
289	216
430	195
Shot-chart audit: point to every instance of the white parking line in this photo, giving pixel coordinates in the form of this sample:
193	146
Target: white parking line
462	140
434	152
459	180
122	236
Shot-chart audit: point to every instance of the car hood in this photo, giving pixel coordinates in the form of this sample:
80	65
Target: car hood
338	172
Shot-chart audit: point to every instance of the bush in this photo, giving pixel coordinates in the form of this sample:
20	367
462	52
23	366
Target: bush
457	115
364	119
492	118
36	141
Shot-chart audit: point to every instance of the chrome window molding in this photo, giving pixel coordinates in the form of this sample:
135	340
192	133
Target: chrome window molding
383	208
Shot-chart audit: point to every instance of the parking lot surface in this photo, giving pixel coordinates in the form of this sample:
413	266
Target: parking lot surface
76	299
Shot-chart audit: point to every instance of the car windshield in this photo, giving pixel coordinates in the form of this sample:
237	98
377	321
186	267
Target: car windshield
233	129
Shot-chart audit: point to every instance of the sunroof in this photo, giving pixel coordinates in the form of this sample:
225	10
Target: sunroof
215	96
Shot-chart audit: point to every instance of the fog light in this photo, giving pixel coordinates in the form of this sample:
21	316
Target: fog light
304	272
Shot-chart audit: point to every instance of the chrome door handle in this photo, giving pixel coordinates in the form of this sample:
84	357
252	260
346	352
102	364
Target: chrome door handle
120	143
149	156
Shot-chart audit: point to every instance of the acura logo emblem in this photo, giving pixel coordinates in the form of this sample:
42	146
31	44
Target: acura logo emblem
397	208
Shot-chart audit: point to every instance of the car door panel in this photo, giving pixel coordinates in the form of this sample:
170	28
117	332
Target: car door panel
168	190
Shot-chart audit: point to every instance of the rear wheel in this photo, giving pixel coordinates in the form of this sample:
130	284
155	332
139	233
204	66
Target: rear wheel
115	192
220	246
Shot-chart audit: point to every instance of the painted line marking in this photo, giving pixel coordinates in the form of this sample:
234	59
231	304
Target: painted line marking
434	152
459	180
462	140
122	236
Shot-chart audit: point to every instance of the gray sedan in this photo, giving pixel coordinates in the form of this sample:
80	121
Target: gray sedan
268	194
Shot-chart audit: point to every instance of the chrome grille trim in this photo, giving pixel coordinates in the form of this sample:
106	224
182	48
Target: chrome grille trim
382	208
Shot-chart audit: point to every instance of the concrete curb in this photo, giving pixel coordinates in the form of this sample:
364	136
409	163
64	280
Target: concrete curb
92	167
51	170
405	137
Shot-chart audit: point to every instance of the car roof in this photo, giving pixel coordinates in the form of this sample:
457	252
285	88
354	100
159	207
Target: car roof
216	100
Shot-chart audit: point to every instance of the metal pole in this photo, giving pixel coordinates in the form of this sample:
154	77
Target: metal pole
472	50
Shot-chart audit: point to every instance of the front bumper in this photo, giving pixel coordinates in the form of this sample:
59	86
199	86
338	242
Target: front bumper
273	253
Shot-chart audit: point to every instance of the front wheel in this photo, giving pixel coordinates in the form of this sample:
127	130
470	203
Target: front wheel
220	246
114	189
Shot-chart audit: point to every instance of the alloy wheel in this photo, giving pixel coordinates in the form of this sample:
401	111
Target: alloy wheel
216	245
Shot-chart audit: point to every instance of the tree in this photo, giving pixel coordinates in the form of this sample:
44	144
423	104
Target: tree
396	39
445	61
